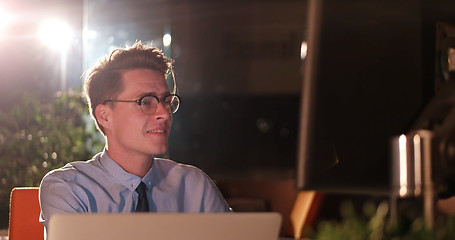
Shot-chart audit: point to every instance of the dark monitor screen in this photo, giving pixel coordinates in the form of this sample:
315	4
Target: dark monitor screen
362	86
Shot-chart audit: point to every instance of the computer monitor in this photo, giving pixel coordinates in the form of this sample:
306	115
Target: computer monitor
362	86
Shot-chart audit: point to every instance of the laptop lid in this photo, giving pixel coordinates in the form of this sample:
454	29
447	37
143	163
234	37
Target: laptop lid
164	226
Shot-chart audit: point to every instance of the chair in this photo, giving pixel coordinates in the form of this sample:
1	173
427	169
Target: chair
304	211
298	208
24	214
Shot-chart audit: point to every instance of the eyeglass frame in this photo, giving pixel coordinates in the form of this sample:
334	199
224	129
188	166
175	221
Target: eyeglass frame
139	101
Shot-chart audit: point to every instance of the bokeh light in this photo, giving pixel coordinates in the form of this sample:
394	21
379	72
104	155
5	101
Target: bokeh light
5	19
55	33
167	38
303	50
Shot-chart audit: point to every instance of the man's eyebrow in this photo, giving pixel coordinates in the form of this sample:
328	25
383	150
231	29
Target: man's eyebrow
154	94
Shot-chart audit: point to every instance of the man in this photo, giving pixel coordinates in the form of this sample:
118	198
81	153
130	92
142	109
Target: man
132	106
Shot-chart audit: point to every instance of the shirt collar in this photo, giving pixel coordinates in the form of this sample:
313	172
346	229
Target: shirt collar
129	180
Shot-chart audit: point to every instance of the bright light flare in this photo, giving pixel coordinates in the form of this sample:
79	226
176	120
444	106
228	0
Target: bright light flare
303	50
5	19
56	34
403	165
167	39
417	165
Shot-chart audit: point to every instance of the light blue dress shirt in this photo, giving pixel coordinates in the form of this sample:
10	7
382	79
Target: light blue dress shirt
100	185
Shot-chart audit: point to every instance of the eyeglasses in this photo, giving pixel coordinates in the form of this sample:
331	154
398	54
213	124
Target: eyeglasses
149	103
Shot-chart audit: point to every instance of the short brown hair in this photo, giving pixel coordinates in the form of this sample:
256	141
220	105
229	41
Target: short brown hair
104	80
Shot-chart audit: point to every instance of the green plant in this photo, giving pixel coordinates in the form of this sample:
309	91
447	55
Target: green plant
38	135
374	224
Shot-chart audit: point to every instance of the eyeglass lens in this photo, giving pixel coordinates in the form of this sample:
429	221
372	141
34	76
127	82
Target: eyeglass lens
149	104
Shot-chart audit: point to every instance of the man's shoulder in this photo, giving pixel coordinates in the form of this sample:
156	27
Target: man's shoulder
71	170
173	167
169	164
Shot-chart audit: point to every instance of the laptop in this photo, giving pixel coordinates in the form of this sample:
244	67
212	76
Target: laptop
165	226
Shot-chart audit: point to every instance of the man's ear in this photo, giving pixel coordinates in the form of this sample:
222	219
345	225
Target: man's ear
103	115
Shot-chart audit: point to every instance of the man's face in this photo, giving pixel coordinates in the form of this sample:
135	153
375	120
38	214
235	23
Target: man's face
130	130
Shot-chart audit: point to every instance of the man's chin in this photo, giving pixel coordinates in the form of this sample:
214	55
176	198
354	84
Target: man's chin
160	152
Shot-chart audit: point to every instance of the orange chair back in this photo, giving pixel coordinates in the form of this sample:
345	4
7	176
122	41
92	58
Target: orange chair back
24	215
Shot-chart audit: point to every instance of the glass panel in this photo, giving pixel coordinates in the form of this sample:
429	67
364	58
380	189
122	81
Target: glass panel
237	66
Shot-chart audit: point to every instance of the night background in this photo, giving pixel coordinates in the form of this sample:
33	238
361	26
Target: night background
239	67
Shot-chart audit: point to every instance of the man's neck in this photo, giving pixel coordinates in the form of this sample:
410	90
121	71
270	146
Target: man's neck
134	163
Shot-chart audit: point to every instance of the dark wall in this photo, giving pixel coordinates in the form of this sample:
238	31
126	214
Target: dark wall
235	136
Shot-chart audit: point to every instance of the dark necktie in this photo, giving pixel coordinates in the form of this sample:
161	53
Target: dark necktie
142	202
